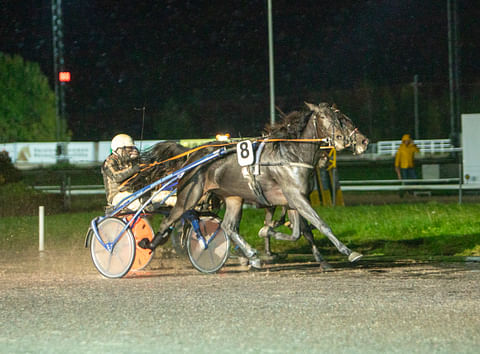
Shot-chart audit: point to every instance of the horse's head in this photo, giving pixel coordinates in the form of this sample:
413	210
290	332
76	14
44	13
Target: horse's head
357	141
332	124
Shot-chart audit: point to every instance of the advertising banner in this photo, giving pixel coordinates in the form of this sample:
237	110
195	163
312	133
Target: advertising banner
81	152
471	146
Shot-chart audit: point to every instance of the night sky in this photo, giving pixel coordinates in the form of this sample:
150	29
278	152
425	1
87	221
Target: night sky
126	54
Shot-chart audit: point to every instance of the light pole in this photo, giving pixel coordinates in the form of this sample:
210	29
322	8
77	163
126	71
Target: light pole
270	64
58	66
453	70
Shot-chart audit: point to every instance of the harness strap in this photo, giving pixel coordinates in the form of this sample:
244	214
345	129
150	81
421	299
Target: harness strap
256	170
300	164
254	185
250	173
295	164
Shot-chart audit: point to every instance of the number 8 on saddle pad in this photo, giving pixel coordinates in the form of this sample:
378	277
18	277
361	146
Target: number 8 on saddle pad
245	154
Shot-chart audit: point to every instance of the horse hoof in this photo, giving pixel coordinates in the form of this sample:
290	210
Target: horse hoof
160	239
255	263
243	261
144	243
263	232
324	266
270	257
354	256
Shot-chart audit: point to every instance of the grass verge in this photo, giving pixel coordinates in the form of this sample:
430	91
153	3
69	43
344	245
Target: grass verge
416	231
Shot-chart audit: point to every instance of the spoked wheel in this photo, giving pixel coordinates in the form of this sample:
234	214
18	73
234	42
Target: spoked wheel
117	262
212	258
141	229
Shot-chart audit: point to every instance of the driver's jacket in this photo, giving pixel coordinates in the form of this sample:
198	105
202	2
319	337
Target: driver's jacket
115	171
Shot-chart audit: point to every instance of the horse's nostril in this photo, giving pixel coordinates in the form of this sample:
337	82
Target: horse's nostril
365	142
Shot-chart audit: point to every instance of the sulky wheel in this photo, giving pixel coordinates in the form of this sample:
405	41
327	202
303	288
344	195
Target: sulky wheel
117	262
212	258
141	229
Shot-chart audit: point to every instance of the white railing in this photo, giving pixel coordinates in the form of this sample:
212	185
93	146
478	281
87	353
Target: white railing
75	152
25	154
431	146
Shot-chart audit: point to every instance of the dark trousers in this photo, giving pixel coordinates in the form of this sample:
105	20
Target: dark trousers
408	173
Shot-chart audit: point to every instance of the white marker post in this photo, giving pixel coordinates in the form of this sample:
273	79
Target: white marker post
41	228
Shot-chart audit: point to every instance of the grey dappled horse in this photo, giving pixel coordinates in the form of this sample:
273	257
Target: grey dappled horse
285	171
297	224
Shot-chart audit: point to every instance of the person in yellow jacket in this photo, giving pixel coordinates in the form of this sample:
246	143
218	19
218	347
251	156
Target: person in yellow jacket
404	163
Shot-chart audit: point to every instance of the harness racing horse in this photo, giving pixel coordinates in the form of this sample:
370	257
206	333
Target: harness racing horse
296	223
285	172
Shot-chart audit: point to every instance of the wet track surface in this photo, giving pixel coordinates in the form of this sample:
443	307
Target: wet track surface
57	302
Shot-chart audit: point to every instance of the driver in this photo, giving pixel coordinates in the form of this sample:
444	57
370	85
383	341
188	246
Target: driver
120	165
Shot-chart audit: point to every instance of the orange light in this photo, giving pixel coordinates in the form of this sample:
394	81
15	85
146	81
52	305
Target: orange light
222	137
64	76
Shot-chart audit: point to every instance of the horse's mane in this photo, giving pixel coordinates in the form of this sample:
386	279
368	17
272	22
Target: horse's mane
163	150
292	124
290	127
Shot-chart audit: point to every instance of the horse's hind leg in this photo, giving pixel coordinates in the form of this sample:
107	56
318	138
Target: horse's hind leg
264	231
294	223
187	199
230	224
300	203
300	227
307	233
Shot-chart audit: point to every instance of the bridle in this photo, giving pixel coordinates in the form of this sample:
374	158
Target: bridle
351	138
330	139
349	135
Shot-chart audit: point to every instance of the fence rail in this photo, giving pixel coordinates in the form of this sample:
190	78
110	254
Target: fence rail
431	146
440	184
72	190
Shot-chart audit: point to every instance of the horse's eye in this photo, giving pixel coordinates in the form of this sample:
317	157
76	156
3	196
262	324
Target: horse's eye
339	137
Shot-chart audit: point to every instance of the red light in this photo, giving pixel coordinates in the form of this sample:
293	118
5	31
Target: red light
64	76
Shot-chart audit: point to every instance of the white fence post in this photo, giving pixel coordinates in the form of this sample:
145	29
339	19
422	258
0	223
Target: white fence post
41	228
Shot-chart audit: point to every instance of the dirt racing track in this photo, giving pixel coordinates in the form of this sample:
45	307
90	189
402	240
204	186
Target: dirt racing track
57	302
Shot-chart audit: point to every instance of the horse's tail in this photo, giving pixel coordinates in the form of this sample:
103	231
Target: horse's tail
164	158
153	165
162	151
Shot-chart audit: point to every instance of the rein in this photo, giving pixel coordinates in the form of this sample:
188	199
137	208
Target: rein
144	167
198	148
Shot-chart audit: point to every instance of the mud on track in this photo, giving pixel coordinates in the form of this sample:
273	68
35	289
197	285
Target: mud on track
58	302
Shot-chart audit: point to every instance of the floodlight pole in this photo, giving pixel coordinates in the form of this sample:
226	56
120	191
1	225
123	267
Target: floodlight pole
453	69
58	65
270	64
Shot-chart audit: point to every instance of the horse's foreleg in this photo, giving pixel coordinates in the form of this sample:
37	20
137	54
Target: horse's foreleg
300	203
230	224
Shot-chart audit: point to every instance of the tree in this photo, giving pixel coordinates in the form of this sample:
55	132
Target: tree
27	103
173	122
8	172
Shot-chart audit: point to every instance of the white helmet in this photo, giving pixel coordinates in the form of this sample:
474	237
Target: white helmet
120	141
